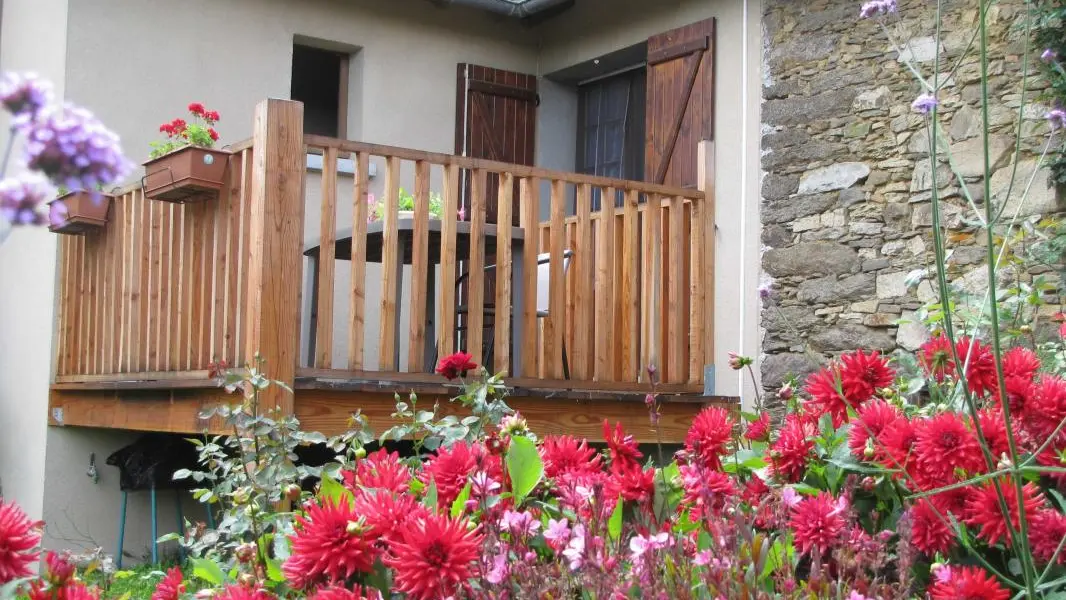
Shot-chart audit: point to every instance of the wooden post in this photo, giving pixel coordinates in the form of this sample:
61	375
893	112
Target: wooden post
705	164
275	259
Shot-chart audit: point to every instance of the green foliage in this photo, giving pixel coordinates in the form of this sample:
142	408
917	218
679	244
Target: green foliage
406	202
524	466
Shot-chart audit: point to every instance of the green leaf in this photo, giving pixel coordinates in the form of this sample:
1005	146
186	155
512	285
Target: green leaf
332	490
415	486
430	498
614	525
460	501
524	466
805	489
208	570
182	474
274	570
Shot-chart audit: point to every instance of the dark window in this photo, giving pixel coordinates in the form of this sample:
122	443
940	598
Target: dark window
319	80
611	127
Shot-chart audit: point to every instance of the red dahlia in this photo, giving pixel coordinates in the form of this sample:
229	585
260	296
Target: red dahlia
58	568
380	470
1047	528
936	358
873	418
456	365
983	508
1019	390
861	375
705	490
994	428
1020	361
434	558
622	447
824	388
240	592
451	468
817	522
73	590
18	538
952	501
707	438
980	364
759	429
385	513
1046	407
790	453
632	483
930	530
968	583
896	442
357	592
171	587
944	443
329	546
566	454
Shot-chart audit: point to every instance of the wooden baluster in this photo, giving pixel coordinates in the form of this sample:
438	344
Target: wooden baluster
166	274
556	322
179	285
502	321
107	288
357	300
530	208
475	321
233	262
605	349
146	209
390	267
446	327
242	191
584	276
697	274
651	313
677	339
196	306
631	280
420	270
84	266
705	177
155	286
63	314
222	233
327	261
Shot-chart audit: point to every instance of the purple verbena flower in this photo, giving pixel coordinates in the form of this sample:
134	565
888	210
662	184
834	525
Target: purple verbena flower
22	199
1048	55
1057	119
877	7
924	103
24	95
74	149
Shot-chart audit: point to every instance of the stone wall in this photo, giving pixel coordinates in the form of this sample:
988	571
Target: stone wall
846	190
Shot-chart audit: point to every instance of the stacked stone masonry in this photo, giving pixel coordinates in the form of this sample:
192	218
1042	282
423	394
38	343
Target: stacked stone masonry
847	184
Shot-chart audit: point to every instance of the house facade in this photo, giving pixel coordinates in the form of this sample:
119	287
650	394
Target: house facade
597	87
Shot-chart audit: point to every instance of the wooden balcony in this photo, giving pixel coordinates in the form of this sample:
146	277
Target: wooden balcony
594	280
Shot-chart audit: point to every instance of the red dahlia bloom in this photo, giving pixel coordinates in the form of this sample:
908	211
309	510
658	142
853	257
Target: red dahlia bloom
896	442
705	490
434	558
566	454
983	508
456	365
451	468
73	590
1019	390
329	546
968	583
339	593
58	568
630	482
1046	407
386	513
824	388
873	418
817	522
379	470
196	108
930	532
1047	528
759	429
861	375
707	438
952	501
1020	361
980	364
18	538
623	447
936	358
240	592
944	443
171	587
790	453
994	428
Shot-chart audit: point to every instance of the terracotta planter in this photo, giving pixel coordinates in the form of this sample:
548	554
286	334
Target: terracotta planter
83	212
188	174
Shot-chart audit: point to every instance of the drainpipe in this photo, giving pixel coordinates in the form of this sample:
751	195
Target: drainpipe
505	7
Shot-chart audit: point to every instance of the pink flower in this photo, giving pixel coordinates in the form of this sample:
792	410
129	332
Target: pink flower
575	549
558	533
499	570
519	523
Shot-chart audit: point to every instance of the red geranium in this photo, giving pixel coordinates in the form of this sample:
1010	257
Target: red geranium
214	134
196	108
434	558
707	438
211	116
456	365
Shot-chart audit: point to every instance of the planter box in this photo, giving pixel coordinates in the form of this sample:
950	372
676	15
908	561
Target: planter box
83	212
188	174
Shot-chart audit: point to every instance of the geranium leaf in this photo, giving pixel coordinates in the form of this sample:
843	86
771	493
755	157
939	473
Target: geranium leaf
614	525
524	467
207	570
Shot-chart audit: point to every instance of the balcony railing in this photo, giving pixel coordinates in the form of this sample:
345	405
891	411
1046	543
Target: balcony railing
593	280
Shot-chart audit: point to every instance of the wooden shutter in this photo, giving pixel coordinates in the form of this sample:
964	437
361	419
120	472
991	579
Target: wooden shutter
496	119
680	104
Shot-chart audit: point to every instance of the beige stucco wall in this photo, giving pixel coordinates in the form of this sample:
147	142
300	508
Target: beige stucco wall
32	38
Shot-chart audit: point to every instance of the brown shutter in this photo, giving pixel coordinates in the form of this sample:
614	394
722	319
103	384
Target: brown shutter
496	119
680	109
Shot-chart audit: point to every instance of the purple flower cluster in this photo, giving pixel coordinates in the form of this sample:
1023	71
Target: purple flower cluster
1057	118
1048	55
74	149
877	7
21	199
924	103
24	95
